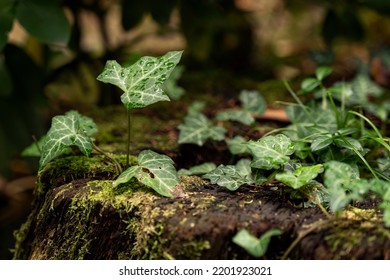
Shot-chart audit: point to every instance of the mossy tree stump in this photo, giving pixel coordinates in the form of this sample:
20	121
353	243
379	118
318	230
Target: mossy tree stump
77	214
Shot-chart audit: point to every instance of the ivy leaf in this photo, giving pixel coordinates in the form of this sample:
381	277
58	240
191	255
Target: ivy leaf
323	72
252	101
196	107
153	170
231	176
299	177
348	143
71	129
142	81
33	150
198	169
170	87
237	145
337	175
309	84
321	142
238	115
271	152
197	129
257	247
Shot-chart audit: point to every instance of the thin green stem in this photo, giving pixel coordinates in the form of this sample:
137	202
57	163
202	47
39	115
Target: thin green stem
117	166
36	143
128	137
293	94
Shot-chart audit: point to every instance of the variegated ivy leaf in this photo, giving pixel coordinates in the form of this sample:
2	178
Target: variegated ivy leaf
197	129
153	170
238	115
141	82
231	176
337	176
270	152
299	177
198	169
252	101
71	129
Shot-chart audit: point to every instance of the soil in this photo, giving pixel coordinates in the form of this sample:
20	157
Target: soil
77	214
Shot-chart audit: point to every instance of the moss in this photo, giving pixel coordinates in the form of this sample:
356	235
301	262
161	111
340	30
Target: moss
69	168
354	227
146	130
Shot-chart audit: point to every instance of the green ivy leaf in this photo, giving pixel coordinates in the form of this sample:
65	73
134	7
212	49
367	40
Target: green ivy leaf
309	84
45	20
197	129
142	81
170	87
323	72
231	176
237	145
299	177
252	101
33	150
71	129
198	169
271	152
321	142
257	247
153	170
348	143
238	115
338	175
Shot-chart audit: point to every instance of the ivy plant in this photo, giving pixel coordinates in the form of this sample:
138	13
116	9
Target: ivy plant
141	82
257	247
153	170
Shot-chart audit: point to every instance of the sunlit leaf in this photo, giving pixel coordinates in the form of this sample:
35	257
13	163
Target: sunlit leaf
154	170
71	129
142	81
271	152
197	129
257	247
299	177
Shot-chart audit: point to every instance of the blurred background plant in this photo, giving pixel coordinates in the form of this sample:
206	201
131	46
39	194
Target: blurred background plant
52	50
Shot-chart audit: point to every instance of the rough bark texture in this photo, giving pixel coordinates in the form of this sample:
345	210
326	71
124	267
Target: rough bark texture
83	217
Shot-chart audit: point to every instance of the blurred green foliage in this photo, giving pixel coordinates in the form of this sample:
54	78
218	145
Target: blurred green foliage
218	34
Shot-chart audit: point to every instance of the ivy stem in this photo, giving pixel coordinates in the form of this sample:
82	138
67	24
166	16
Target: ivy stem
117	166
128	137
36	143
